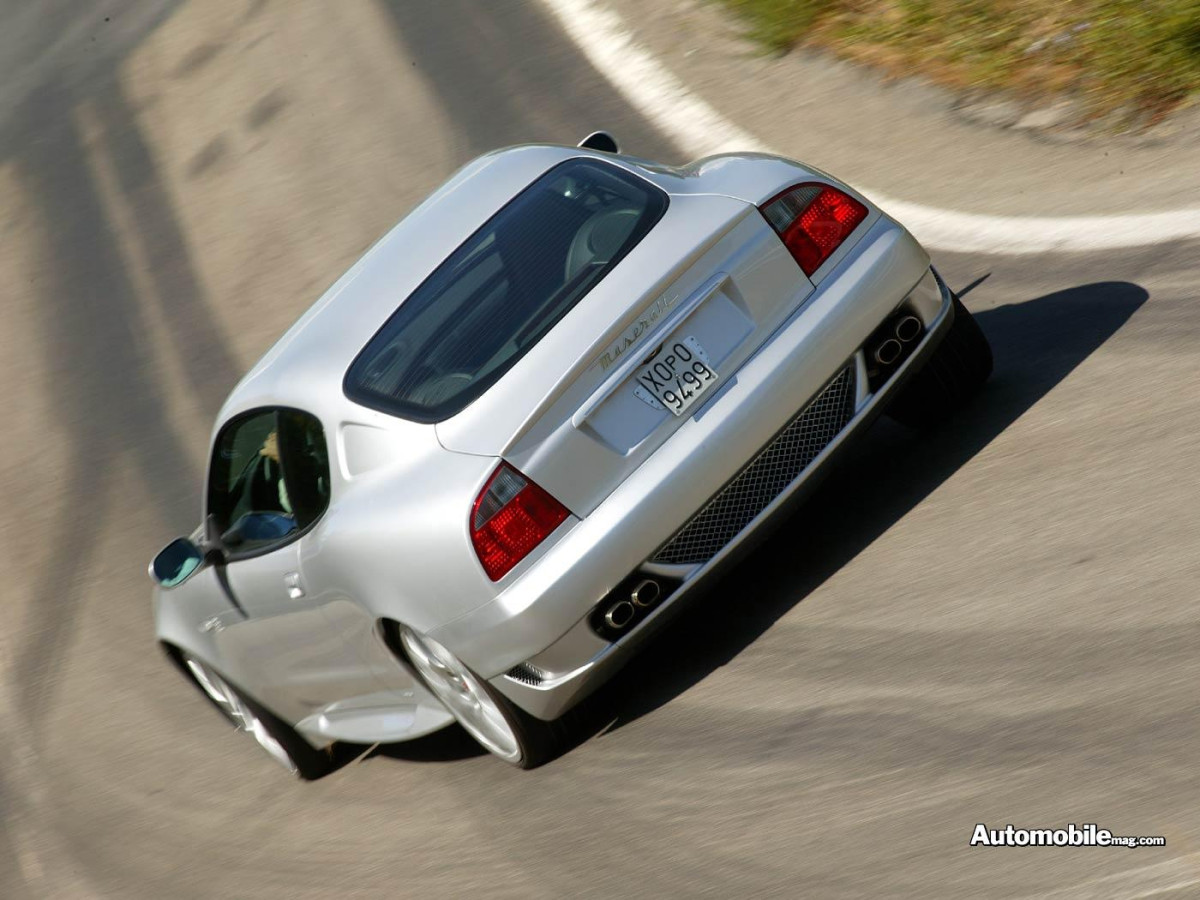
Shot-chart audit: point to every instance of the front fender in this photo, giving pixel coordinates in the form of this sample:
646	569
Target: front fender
189	616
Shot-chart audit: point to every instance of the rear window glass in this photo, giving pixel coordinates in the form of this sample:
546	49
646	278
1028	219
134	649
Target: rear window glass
497	294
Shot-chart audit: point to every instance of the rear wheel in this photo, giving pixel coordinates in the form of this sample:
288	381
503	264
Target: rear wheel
952	375
503	729
281	742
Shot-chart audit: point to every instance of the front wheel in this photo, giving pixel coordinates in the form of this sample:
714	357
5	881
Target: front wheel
951	376
281	742
492	719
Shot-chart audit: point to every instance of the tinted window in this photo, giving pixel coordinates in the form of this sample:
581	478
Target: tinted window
269	478
497	294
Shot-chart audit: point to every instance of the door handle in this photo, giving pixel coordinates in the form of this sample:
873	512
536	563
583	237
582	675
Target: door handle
295	587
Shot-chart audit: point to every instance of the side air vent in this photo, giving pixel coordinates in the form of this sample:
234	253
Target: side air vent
526	674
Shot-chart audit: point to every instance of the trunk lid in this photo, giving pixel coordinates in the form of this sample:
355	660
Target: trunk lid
567	415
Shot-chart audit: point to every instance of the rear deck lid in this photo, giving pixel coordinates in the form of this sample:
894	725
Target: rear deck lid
575	414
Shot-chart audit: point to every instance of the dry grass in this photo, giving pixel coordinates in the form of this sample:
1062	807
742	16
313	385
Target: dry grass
1138	56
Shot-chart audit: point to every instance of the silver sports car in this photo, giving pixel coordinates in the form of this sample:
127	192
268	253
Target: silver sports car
526	426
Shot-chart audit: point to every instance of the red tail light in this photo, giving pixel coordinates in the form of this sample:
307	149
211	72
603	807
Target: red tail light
511	516
813	220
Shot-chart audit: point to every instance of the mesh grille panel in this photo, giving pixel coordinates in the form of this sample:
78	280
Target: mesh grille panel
526	674
777	465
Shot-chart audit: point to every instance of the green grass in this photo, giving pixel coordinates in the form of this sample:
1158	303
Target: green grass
781	24
1142	55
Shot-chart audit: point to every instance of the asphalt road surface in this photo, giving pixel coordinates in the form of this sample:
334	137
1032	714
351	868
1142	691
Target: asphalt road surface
994	622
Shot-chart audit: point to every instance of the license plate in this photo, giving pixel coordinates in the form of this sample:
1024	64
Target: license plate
677	376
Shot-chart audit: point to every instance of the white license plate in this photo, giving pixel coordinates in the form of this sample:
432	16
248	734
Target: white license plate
677	376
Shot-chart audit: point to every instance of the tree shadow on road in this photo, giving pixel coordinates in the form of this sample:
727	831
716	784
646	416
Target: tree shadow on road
1036	343
107	397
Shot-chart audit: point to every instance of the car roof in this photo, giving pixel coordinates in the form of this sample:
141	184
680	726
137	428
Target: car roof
306	366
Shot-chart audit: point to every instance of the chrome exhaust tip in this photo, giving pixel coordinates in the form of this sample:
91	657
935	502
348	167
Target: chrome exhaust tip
888	352
909	328
646	594
619	614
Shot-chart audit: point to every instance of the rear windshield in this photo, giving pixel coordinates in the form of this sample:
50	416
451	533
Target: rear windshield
497	294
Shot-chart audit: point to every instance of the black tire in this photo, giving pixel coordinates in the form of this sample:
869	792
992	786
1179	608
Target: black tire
954	373
310	763
539	741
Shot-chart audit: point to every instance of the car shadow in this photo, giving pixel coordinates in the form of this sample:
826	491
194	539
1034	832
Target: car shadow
448	744
1036	345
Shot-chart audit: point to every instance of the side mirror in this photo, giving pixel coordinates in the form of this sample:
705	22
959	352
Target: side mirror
175	562
600	140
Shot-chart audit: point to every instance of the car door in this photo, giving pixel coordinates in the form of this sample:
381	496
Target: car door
268	486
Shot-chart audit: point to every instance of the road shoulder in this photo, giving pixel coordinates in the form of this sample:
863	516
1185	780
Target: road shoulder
903	136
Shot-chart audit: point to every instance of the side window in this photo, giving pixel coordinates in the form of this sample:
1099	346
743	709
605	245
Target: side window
305	465
269	478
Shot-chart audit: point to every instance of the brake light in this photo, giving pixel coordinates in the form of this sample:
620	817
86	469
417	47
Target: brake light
813	220
511	516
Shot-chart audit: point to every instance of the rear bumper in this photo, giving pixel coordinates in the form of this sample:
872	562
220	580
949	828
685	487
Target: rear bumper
542	618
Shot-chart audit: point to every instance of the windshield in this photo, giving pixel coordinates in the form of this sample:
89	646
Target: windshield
498	293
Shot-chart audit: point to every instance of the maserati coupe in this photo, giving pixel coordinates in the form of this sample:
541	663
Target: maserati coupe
526	427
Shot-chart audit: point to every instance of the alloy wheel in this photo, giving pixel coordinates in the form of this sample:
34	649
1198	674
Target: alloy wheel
463	695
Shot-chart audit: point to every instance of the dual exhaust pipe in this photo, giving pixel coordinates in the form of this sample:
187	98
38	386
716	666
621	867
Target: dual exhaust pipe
906	329
621	613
